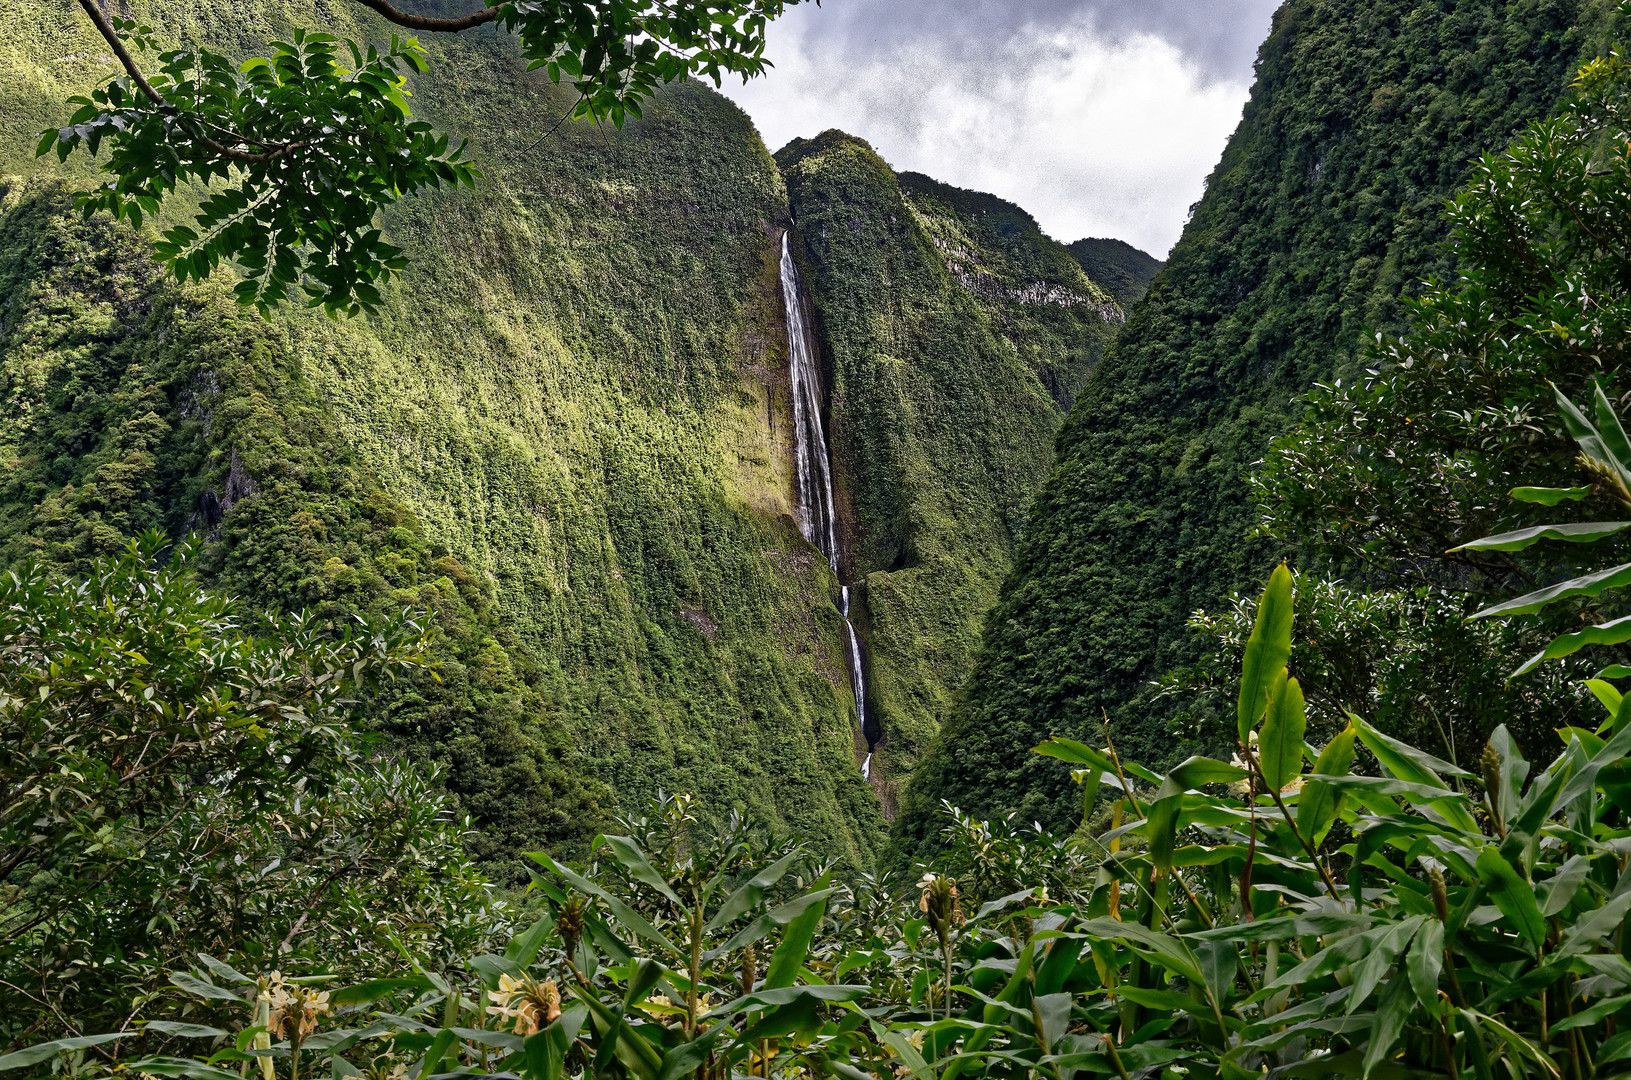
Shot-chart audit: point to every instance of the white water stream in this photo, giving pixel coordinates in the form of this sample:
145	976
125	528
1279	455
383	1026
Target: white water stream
813	468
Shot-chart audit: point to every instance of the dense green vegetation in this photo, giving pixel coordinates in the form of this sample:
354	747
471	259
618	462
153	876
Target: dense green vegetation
561	434
1121	269
564	433
1261	920
1323	212
178	774
957	334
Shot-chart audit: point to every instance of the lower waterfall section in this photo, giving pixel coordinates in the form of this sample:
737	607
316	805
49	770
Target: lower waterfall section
813	487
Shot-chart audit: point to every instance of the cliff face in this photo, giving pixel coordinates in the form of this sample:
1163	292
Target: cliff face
1322	212
956	335
566	436
1124	271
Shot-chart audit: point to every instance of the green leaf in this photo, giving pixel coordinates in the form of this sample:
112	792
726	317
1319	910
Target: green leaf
1607	693
33	1055
751	892
1556	892
194	985
1391	1015
1512	894
1613	632
1615	577
624	914
1425	961
1546	496
369	992
1593	927
1280	742
1386	943
1579	532
183	1067
184	1031
632	859
1196	772
524	946
1319	802
1267	650
794	949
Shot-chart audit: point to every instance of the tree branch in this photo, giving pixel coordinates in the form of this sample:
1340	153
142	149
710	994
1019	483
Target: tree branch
111	36
419	22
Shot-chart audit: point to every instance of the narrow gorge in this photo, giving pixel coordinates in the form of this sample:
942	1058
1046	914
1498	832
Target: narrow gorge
812	457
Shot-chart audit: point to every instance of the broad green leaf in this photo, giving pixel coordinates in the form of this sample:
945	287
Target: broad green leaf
1593	1015
626	1044
524	946
632	859
749	894
33	1055
1197	772
1385	944
1076	753
1615	577
1613	632
1425	961
777	916
1512	894
1556	892
194	985
794	949
1280	742
1319	802
1593	927
1391	1015
225	971
1267	650
1520	1046
1607	693
1610	431
1418	767
1172	953
1579	532
369	992
184	1031
1161	829
1548	496
624	914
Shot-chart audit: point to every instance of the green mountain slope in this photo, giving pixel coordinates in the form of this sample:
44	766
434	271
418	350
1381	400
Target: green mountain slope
1124	271
957	335
1323	210
566	435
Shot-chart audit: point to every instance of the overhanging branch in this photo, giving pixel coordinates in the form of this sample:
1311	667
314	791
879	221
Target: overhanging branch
420	22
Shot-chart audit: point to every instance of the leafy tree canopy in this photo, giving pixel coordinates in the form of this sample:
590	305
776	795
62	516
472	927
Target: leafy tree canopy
302	147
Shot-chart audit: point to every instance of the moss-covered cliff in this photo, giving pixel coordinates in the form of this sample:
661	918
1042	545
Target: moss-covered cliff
1322	213
1124	271
957	335
566	434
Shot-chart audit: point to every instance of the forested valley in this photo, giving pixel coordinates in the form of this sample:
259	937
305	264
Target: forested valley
506	576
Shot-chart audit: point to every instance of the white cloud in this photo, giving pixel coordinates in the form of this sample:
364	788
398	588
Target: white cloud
1094	133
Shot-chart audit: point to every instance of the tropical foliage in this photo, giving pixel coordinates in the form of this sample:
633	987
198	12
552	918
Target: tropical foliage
176	776
305	146
1286	912
1323	216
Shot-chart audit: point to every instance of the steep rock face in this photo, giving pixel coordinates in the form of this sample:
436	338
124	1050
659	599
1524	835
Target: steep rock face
1124	271
1322	212
957	335
565	437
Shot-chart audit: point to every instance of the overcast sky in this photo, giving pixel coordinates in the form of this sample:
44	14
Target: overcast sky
1100	117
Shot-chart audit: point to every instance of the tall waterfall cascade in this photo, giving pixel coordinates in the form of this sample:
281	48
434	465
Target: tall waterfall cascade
813	471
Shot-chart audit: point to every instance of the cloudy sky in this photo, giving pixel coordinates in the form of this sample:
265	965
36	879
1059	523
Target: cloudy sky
1100	117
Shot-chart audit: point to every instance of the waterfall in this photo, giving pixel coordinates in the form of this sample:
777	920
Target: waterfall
813	472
